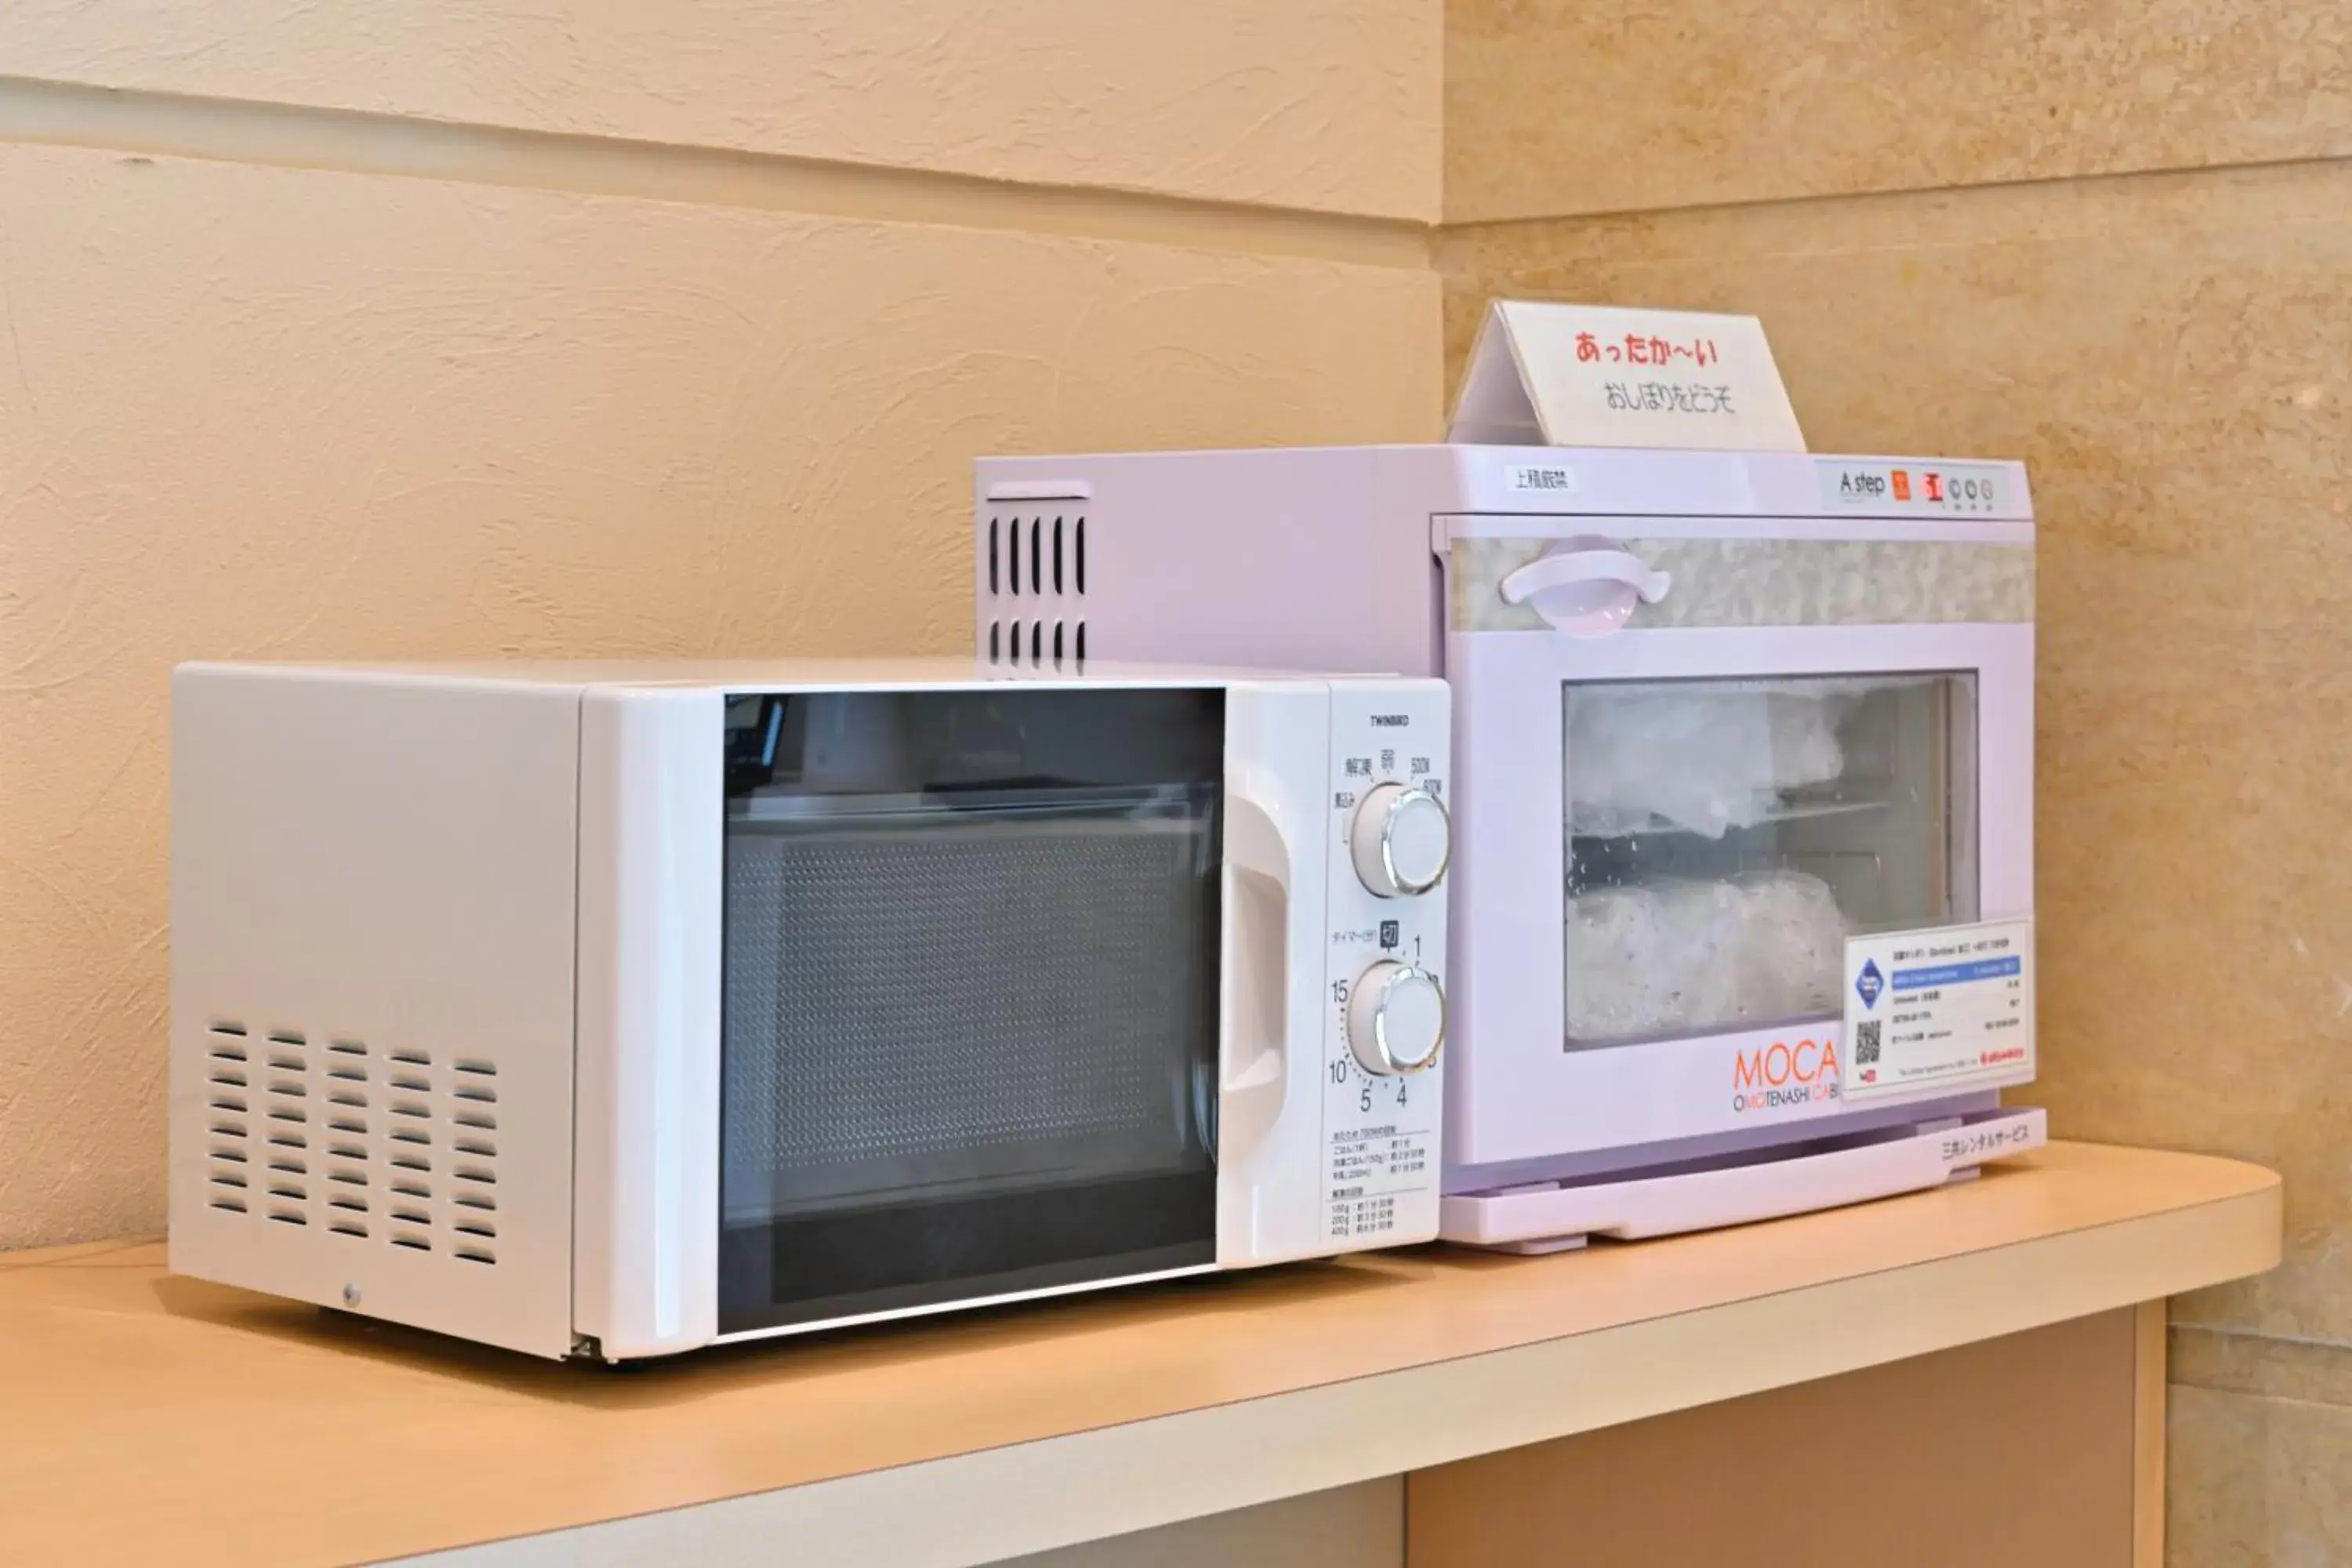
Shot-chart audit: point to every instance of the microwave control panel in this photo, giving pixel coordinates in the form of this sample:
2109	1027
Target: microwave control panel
1385	964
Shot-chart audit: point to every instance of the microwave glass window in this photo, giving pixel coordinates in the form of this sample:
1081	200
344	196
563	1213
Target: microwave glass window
969	1028
1724	837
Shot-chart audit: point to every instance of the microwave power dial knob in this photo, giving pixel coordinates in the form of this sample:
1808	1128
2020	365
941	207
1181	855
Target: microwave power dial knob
1396	1018
1401	840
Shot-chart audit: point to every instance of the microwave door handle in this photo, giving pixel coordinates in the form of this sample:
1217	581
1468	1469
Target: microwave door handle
1255	1008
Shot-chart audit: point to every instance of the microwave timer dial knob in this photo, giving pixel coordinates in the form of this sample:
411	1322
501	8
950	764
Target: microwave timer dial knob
1401	840
1396	1018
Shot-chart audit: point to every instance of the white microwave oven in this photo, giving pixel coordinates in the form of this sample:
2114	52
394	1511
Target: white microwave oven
613	1010
1725	724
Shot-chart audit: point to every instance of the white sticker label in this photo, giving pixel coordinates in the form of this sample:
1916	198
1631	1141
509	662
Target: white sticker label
1556	481
1914	489
1938	1009
1371	1167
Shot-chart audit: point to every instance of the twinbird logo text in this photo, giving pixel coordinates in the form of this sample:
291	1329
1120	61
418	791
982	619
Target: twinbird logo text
1785	1073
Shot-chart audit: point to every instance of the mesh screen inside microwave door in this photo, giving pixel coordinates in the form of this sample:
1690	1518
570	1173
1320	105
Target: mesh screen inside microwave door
958	1000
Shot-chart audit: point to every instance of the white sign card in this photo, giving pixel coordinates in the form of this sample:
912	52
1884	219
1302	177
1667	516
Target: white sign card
1937	1009
1596	375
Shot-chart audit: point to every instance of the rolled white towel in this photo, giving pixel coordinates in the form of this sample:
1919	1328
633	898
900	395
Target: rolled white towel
1675	957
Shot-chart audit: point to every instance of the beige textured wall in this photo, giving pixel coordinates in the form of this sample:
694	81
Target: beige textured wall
1557	107
1330	104
2159	326
279	379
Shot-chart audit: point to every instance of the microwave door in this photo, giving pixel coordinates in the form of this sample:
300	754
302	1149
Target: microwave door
970	1001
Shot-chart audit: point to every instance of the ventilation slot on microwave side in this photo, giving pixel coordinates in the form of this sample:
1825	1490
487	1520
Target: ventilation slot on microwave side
230	1147
395	1147
279	1070
1037	555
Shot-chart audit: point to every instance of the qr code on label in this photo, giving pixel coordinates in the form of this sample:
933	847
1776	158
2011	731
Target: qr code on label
1865	1042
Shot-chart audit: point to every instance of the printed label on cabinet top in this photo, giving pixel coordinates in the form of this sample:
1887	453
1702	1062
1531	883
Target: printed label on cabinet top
1914	489
1546	479
1937	1009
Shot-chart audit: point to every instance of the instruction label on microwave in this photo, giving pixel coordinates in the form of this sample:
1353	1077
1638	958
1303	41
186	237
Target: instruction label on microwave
1948	1008
1371	1167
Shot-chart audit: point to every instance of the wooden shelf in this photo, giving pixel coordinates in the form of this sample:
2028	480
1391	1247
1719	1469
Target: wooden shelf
145	1417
